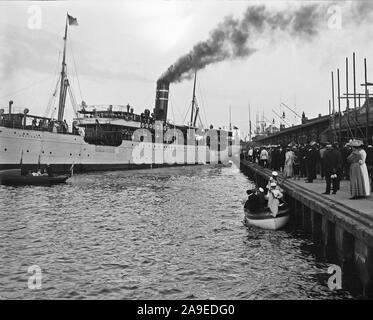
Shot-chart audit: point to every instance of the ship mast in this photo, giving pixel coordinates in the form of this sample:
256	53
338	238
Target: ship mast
64	81
194	98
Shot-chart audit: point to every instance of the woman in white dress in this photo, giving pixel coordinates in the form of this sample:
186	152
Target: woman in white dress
274	195
364	170
289	161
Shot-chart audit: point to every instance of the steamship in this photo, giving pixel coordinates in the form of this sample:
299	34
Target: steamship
108	137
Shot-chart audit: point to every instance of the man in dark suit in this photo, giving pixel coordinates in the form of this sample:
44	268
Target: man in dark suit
333	168
369	163
253	202
311	157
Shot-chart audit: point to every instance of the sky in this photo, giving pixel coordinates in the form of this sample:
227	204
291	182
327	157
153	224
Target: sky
120	49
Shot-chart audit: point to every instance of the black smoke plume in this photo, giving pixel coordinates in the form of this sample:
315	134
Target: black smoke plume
234	38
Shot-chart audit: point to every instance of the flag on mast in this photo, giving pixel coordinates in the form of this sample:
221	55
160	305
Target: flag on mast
72	21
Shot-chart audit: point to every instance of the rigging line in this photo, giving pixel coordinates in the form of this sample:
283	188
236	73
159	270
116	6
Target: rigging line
72	97
56	73
24	88
179	113
172	108
186	114
52	101
186	111
54	109
53	112
76	69
203	101
202	105
72	100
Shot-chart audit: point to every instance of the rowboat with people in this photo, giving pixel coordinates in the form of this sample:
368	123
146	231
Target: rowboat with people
266	220
267	211
14	177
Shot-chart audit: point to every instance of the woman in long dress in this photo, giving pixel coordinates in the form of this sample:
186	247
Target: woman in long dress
357	186
289	161
274	195
364	171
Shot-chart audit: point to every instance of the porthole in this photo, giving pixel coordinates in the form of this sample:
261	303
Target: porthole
5	149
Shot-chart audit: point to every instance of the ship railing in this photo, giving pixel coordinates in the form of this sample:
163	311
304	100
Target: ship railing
18	123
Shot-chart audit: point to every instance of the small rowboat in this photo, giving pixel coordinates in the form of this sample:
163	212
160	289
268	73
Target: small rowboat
14	178
265	220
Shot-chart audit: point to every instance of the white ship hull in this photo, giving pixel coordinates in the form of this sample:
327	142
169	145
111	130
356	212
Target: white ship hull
62	150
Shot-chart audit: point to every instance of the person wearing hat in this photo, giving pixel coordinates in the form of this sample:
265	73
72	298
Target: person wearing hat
48	170
262	199
252	202
273	177
289	161
274	195
364	169
311	157
332	167
296	163
358	185
264	157
369	162
345	152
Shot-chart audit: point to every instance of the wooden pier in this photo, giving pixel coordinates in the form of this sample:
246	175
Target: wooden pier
343	228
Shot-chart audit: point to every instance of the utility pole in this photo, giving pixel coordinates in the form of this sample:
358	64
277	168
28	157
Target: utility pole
330	122
367	99
347	101
249	123
354	75
333	105
339	108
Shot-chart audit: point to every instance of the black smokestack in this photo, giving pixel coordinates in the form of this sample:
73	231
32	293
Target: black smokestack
161	100
234	38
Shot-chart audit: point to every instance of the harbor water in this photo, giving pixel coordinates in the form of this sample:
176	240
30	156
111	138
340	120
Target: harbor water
170	233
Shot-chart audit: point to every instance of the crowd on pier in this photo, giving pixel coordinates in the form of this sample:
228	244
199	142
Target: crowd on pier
333	162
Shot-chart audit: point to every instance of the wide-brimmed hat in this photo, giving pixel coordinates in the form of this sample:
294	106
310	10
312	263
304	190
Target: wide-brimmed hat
273	184
356	143
274	173
261	189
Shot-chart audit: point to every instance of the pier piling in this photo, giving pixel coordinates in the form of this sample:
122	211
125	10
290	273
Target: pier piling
344	234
